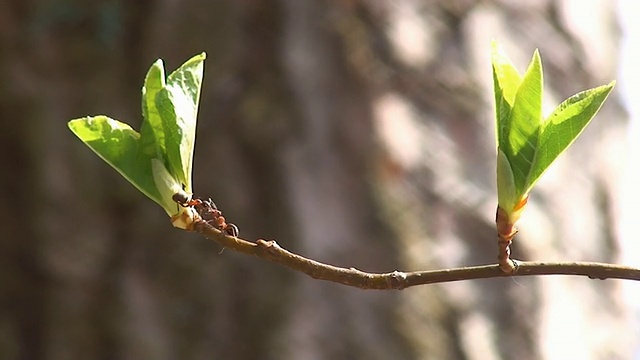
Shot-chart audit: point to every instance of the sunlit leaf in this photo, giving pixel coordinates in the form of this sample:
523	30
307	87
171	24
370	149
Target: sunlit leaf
158	160
564	126
527	143
521	143
177	104
506	82
121	147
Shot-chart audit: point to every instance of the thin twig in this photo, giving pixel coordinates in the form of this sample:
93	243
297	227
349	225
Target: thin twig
270	250
506	232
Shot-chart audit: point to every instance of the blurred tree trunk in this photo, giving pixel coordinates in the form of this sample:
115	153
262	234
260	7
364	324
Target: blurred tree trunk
358	133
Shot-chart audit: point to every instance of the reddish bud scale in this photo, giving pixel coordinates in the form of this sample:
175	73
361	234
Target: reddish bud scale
506	229
520	205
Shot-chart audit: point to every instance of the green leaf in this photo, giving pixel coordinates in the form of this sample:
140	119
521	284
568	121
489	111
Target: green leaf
177	104
158	160
521	141
120	146
167	185
152	130
527	144
506	81
564	126
507	195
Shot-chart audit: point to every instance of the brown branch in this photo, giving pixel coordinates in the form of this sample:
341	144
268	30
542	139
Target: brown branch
506	232
270	250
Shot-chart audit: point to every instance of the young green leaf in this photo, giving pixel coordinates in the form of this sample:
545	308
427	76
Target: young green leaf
506	82
158	160
521	142
152	130
564	126
115	142
527	143
177	104
507	195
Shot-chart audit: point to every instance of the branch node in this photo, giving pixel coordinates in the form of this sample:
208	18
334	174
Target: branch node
398	280
268	246
508	266
516	266
262	243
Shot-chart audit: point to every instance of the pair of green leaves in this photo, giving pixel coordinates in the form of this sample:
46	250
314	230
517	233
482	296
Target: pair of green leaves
158	160
527	142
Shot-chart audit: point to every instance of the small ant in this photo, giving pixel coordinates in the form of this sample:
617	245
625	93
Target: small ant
182	198
209	212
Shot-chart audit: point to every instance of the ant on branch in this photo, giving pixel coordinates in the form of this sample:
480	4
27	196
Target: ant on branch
209	212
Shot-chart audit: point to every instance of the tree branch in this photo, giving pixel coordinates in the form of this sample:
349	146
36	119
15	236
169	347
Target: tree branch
270	250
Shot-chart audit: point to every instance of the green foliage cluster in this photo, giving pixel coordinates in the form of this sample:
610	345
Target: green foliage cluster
157	160
527	142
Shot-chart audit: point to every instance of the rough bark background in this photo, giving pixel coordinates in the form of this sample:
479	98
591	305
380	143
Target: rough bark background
358	133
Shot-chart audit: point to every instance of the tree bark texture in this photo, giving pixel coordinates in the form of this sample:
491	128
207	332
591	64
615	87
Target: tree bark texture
355	132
